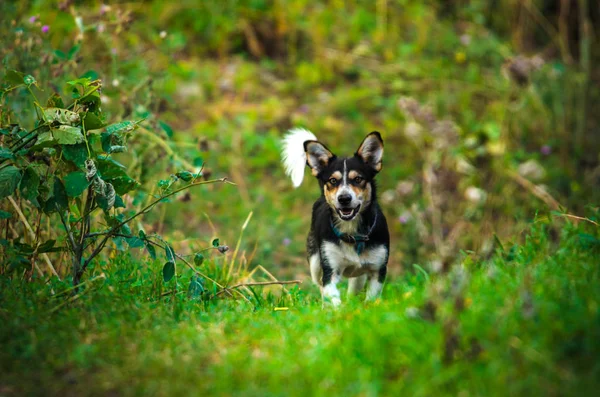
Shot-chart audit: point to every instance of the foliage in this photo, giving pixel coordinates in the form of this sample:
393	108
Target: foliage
522	321
65	166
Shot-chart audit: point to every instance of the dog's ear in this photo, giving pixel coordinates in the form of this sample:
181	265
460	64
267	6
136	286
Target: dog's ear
317	156
371	150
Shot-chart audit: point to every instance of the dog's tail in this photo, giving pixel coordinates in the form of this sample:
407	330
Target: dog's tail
293	155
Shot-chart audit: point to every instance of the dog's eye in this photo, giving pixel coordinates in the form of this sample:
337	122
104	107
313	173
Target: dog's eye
333	181
358	179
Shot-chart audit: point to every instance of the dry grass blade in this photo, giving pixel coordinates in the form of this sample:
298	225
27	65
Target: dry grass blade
259	284
32	234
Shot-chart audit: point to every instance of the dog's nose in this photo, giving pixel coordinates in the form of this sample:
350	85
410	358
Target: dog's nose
344	199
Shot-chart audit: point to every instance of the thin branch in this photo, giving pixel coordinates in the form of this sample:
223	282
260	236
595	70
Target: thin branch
581	218
68	230
112	230
259	283
535	190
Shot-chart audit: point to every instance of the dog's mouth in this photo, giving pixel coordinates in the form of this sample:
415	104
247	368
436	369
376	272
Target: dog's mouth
347	214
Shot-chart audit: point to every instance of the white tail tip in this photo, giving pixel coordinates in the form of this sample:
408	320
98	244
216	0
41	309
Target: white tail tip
293	155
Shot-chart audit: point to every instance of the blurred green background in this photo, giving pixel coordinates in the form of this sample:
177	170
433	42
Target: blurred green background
471	97
489	113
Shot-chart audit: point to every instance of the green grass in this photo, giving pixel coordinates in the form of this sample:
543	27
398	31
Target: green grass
526	321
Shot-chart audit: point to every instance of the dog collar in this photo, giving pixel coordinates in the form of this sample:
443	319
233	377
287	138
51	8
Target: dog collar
357	239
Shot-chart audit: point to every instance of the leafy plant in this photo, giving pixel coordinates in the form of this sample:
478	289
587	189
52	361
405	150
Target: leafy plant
64	168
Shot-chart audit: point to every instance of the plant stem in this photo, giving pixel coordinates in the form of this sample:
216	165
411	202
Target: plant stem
109	233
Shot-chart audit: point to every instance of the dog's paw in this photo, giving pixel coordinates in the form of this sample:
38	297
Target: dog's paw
332	302
336	302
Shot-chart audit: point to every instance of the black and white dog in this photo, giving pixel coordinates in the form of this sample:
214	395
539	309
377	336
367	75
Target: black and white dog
348	235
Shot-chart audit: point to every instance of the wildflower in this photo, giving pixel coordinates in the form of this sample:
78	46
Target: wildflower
546	150
286	241
104	9
404	218
100	28
115	82
465	39
113	51
45	29
32	19
163	34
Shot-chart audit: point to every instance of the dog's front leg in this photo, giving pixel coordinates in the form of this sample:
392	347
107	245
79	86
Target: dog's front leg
376	280
331	277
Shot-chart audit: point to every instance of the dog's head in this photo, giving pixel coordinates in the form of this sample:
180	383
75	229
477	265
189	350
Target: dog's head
347	182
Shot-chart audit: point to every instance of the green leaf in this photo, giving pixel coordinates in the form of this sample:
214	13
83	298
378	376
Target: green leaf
5	215
170	253
185	176
114	172
76	183
9	180
67	135
60	199
62	116
55	101
215	242
45	139
90	74
112	142
30	185
168	271
151	250
60	55
123	126
119	202
14	78
77	154
84	82
46	246
92	122
167	128
73	50
135	242
198	259
6	154
119	243
196	288
110	168
123	184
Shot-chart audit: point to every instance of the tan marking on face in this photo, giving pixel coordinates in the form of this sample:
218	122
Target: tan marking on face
330	194
337	175
353	174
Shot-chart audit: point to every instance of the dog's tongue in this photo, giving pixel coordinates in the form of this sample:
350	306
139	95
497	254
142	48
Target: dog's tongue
347	212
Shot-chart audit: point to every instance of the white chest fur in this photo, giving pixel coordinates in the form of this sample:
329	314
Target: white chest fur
343	258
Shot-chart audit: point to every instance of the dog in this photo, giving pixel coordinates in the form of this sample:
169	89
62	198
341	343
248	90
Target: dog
348	235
